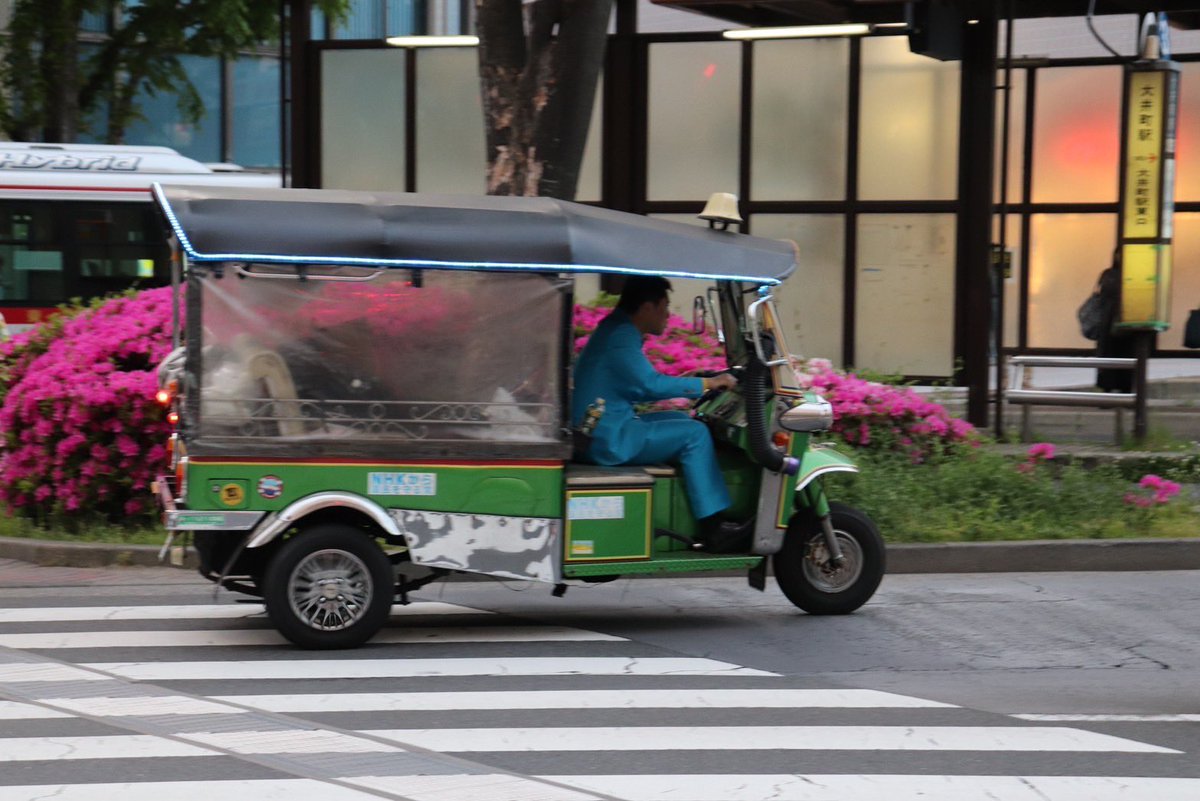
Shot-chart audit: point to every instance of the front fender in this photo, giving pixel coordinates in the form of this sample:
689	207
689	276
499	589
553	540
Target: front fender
819	460
278	522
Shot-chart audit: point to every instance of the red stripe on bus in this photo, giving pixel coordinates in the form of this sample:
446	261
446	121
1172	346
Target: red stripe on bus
26	315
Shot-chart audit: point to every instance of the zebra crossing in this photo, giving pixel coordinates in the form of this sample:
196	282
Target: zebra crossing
450	703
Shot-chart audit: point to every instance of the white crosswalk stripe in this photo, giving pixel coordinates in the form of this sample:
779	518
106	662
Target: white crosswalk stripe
411	667
760	738
243	675
55	614
585	699
43	641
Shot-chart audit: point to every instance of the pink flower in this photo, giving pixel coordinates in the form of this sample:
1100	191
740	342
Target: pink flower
1042	450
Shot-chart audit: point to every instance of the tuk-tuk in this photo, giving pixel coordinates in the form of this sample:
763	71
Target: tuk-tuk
371	391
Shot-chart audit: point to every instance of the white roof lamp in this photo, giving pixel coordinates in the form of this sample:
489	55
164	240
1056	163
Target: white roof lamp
433	41
721	210
802	31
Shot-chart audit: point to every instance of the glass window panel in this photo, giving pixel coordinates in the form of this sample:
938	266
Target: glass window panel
1012	281
798	144
589	187
404	17
1076	135
362	119
692	141
1185	279
363	21
31	266
256	112
451	150
811	299
1187	145
1069	37
1067	254
1016	134
904	320
908	140
90	21
163	124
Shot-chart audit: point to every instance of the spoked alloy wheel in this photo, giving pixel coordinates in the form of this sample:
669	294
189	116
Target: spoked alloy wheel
811	581
329	587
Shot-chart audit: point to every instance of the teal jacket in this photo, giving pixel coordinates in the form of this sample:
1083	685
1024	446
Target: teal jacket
614	367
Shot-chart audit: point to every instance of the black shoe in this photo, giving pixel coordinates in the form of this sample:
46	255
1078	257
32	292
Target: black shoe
725	536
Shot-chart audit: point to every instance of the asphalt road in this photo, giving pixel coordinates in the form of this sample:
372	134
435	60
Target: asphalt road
135	684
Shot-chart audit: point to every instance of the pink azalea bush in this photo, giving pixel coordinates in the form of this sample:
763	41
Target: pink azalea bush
80	432
866	414
1155	491
1037	454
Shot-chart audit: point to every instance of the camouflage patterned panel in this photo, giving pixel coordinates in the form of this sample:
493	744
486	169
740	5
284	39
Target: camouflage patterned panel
512	547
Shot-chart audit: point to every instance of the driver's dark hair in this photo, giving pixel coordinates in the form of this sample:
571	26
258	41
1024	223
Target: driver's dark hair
641	289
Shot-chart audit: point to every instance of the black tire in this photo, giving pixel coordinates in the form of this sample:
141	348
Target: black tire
358	587
820	591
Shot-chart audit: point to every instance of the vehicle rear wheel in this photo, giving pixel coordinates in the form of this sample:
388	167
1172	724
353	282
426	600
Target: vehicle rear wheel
807	578
328	587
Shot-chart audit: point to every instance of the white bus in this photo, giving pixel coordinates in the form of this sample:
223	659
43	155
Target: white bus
77	221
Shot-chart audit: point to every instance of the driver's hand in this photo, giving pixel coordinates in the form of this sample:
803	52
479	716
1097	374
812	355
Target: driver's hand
722	381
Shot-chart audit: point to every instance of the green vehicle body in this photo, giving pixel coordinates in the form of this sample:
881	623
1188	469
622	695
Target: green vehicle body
335	450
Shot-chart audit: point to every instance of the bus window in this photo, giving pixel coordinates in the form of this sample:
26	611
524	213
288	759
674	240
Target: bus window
31	267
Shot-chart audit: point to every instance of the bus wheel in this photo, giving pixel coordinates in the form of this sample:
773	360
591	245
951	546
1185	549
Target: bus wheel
329	587
805	574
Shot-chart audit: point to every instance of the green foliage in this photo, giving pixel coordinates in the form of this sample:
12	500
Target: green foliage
46	88
94	529
982	495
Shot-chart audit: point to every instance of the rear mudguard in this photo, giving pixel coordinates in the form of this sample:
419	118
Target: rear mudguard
819	460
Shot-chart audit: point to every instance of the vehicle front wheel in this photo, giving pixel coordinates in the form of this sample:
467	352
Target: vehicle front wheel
805	574
328	587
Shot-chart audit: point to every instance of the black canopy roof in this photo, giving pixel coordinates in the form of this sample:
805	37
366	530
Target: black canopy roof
333	226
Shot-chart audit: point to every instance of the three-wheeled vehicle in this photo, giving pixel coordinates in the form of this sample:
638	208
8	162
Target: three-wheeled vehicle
372	391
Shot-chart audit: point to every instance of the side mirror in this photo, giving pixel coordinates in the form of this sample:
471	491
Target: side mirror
699	319
808	416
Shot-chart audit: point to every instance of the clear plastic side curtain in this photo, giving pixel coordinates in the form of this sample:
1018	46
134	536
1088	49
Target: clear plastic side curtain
352	360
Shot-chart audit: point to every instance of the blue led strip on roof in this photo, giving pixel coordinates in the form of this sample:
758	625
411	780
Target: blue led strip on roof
358	261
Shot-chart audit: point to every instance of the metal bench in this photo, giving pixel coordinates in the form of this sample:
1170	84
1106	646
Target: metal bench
1065	397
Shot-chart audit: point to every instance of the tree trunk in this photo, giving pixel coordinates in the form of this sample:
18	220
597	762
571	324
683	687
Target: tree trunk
59	66
538	74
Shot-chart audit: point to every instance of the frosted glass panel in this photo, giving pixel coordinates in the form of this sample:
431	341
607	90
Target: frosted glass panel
1185	279
451	154
908	143
589	170
1067	254
904	310
1076	135
798	146
684	290
811	299
1016	134
1187	145
1012	283
692	141
362	119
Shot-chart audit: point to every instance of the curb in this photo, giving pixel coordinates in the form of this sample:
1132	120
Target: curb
959	557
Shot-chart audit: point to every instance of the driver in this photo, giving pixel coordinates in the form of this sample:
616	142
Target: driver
613	369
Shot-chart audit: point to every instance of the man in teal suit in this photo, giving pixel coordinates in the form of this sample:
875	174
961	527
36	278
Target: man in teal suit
613	368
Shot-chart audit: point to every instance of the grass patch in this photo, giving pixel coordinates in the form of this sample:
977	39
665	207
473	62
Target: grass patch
99	531
982	496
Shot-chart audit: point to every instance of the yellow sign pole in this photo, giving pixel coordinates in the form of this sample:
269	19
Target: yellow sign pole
1147	193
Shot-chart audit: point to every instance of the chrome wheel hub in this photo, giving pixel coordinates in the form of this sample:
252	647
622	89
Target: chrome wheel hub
828	577
330	589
